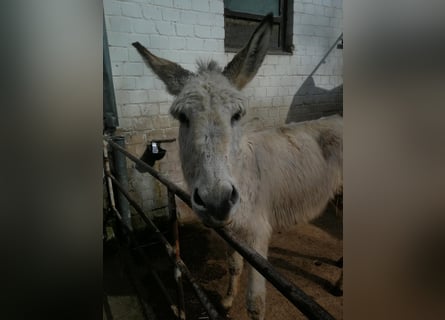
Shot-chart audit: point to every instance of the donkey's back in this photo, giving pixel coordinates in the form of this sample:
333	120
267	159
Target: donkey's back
299	168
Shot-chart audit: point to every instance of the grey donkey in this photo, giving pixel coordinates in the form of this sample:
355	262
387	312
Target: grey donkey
250	183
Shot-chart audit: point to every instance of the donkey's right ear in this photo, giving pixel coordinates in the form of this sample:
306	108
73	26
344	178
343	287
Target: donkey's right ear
246	63
172	74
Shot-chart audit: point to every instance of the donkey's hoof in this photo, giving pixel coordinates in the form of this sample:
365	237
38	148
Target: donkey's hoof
227	302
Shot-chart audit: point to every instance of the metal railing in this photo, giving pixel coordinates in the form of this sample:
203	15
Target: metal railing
296	296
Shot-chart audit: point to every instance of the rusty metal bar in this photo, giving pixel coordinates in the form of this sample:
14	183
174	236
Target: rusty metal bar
171	186
213	314
130	234
178	275
301	300
296	296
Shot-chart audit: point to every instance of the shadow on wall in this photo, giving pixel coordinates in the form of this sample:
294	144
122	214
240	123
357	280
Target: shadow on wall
311	102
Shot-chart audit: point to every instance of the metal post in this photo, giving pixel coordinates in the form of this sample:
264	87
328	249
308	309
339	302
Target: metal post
120	168
178	274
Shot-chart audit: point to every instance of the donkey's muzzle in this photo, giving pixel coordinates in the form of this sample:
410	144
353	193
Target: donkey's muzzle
215	207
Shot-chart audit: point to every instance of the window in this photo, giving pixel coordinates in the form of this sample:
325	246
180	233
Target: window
242	17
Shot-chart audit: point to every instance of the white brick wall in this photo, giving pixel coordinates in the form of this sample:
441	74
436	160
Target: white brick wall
185	30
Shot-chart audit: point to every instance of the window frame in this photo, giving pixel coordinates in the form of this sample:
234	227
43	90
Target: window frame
285	22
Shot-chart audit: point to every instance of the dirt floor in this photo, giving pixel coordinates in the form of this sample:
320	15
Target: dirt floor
305	254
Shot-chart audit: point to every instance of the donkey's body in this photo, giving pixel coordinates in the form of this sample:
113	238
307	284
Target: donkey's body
286	175
250	183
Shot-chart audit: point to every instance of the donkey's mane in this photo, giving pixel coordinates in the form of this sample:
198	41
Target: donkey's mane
208	66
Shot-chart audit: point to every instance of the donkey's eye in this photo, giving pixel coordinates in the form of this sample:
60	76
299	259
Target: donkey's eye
236	117
183	118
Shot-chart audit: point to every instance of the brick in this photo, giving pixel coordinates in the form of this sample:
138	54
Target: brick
131	10
130	111
165	3
200	5
152	13
165	28
271	91
124	83
217	33
133	69
205	19
188	17
119	24
211	45
195	44
138	96
118	54
177	43
117	39
170	14
117	68
181	4
217	7
151	109
184	29
142	123
203	32
144	82
112	8
143	26
164	107
158	42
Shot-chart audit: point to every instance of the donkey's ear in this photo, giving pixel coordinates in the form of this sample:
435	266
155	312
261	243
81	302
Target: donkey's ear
172	74
246	63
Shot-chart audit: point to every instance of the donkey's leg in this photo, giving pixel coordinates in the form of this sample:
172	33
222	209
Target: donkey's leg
235	261
256	286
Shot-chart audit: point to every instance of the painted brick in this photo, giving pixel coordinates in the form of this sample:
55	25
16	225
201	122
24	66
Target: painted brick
272	91
124	83
203	32
144	82
184	29
130	111
151	109
181	4
217	7
143	26
165	28
217	33
112	8
158	42
195	44
164	108
133	69
205	19
118	54
152	13
177	43
119	24
138	96
170	14
200	5
165	3
131	10
188	17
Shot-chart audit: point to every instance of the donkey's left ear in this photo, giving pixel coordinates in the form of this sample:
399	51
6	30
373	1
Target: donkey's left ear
246	63
172	74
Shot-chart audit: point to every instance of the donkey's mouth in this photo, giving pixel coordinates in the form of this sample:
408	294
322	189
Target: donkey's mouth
211	222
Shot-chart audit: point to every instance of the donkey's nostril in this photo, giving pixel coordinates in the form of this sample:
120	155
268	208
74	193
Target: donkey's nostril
197	199
234	196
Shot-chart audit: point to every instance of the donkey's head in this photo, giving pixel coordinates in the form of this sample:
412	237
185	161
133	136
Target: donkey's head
209	105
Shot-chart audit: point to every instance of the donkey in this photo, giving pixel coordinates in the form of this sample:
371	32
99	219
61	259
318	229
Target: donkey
250	183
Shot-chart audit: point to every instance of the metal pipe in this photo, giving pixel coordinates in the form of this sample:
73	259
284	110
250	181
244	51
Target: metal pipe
178	275
296	296
120	167
171	186
303	302
213	314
